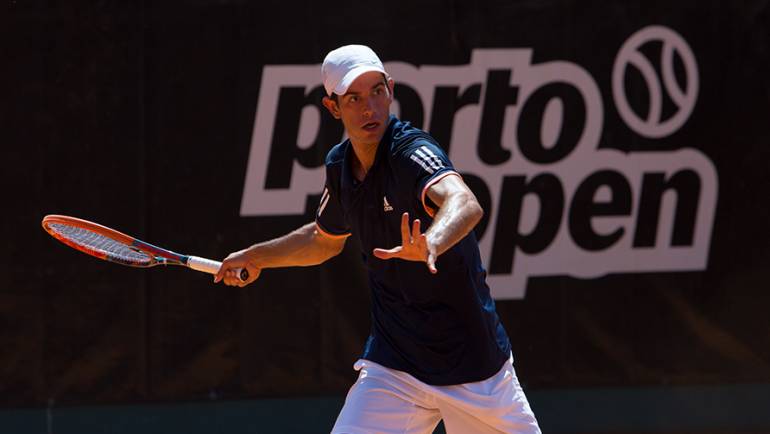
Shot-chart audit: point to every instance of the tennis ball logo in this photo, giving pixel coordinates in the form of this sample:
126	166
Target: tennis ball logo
630	56
525	137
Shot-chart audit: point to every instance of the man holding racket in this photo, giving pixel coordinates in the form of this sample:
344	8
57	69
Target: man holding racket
437	349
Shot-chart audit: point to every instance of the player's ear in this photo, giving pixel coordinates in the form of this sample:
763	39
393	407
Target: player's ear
332	106
391	85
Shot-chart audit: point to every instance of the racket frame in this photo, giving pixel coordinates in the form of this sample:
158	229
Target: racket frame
158	255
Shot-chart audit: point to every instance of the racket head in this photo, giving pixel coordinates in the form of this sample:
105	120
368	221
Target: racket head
100	241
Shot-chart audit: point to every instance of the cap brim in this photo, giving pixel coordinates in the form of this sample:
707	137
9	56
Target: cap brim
352	75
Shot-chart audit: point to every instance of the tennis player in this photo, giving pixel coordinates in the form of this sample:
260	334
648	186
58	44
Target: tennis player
437	349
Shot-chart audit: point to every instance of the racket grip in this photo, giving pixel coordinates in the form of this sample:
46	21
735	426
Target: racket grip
212	267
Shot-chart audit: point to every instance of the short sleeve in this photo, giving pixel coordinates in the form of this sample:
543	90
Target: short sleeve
422	164
329	217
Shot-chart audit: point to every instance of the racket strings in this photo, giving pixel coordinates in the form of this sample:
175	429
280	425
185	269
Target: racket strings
113	249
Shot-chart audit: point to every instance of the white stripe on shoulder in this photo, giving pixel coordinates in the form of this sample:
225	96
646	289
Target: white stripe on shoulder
433	155
427	159
422	163
324	201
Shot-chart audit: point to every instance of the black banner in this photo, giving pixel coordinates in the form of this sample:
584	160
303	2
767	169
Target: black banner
620	152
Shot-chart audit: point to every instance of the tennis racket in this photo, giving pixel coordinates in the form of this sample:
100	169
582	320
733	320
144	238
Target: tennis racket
111	245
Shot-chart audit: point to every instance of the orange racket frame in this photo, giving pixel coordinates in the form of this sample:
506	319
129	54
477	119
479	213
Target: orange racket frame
154	255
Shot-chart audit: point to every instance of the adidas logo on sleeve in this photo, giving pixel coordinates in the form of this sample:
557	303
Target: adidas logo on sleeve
427	159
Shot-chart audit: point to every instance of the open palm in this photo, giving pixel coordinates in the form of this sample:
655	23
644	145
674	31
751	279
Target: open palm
414	246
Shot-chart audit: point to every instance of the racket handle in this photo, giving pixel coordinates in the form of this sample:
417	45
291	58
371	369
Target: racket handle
212	267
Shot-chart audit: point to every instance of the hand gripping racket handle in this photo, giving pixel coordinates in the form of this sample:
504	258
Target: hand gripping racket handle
212	267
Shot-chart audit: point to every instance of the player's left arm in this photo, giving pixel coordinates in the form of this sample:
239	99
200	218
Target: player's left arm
458	213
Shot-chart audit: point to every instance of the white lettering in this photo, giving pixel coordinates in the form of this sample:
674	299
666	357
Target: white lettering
619	212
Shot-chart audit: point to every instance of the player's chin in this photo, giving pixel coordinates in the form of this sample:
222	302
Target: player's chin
372	130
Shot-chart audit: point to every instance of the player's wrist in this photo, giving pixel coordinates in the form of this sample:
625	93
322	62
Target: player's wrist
432	243
252	256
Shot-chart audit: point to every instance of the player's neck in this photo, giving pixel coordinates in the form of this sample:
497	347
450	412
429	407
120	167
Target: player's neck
364	159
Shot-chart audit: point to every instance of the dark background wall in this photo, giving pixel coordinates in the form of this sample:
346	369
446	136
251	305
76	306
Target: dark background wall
140	116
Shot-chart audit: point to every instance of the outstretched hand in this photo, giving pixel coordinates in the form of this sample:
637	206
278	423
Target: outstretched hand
414	246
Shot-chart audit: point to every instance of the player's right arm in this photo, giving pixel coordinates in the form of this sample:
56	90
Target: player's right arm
303	247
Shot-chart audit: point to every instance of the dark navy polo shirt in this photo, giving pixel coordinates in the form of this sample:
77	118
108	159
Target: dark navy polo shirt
440	328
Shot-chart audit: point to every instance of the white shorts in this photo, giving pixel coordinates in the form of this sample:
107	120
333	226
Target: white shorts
385	400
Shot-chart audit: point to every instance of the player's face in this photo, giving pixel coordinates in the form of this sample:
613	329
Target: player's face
365	108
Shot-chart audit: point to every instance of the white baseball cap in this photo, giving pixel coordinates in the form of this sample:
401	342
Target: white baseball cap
343	65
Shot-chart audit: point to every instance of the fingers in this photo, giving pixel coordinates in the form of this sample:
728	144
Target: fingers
226	265
224	274
430	256
232	280
431	262
387	253
232	277
229	271
228	277
406	241
405	238
415	230
413	245
220	274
